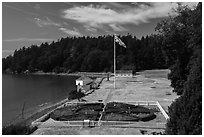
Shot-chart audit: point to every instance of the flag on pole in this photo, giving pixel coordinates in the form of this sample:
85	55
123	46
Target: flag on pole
119	41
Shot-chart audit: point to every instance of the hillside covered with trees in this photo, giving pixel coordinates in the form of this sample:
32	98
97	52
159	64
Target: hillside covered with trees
89	54
177	46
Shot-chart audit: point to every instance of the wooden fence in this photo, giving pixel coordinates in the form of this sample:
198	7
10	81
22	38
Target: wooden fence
162	110
91	123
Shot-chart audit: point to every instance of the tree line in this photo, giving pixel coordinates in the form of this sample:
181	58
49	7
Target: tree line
182	38
91	54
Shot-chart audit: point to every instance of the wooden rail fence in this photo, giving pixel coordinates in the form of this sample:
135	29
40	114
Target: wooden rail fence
91	123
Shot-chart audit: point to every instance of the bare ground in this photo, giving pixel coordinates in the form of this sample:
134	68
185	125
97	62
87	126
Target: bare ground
150	85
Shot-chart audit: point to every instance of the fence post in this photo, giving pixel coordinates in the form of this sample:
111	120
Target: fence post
162	110
23	110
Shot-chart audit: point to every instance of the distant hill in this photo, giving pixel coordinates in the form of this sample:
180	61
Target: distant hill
91	54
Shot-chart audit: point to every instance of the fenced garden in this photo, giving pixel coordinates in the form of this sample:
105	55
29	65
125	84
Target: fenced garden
114	114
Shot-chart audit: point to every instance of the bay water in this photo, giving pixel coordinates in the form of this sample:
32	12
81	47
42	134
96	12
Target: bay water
28	93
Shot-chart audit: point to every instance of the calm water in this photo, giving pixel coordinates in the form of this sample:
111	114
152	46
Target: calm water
36	91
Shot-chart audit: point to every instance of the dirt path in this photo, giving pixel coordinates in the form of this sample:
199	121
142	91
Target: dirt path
108	98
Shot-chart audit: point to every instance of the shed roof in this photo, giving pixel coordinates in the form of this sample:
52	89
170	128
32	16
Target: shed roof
85	79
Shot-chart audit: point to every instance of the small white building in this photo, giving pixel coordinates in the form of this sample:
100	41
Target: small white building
83	83
79	82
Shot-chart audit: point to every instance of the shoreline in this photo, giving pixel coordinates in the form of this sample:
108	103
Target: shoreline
30	117
40	111
56	105
91	74
149	87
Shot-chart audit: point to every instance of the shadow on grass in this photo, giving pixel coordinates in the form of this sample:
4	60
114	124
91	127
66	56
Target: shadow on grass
75	95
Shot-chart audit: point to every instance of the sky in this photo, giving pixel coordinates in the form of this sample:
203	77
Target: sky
31	23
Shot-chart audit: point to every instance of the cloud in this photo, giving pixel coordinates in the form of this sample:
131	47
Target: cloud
117	5
37	6
19	9
191	5
49	22
97	16
46	22
89	28
74	32
116	27
7	51
65	23
28	40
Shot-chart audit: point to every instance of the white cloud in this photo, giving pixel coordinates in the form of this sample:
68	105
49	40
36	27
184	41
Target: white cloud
7	51
46	22
89	28
116	27
98	16
191	5
74	32
65	23
37	6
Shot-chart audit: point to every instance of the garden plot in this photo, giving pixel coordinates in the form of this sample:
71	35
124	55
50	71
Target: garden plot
111	114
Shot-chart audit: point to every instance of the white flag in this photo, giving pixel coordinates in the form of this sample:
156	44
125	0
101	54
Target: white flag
120	42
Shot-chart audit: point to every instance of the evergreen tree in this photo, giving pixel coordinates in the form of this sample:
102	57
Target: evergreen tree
182	37
73	54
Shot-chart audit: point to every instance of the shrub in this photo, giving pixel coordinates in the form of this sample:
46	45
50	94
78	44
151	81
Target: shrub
18	129
75	95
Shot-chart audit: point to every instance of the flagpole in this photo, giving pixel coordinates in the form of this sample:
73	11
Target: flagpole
114	59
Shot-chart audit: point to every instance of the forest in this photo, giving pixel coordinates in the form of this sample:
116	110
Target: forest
176	46
182	37
91	54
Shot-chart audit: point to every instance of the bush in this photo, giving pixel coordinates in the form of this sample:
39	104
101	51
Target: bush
126	112
149	117
19	129
75	95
